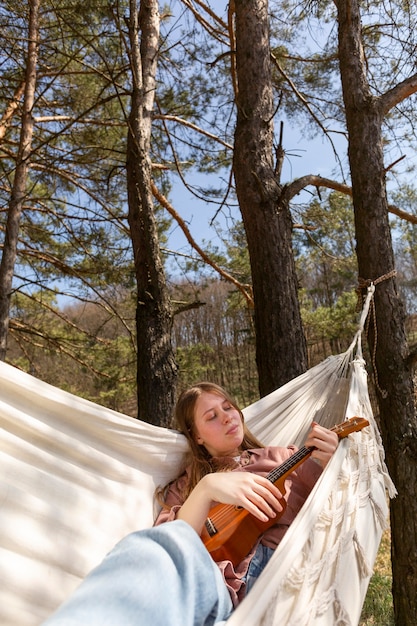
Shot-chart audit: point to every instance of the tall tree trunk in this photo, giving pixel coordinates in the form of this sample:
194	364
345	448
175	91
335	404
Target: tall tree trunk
8	259
364	116
156	367
264	206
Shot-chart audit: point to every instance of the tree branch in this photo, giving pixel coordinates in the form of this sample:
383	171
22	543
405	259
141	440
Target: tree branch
398	93
303	100
179	120
219	32
299	184
11	108
244	289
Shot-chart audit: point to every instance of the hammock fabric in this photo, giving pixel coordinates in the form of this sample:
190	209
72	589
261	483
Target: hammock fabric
76	477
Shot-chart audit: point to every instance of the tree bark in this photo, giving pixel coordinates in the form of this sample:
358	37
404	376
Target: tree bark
265	206
8	259
394	381
156	367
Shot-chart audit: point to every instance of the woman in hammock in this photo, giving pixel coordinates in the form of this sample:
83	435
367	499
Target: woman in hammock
165	575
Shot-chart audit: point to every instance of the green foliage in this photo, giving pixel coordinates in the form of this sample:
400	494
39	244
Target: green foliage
332	326
405	245
83	348
326	264
325	248
195	363
378	608
74	235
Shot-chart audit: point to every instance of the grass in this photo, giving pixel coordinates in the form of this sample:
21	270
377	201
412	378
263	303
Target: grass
377	609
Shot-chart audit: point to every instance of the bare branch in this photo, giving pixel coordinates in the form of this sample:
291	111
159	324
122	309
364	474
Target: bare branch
15	325
76	180
299	184
11	109
302	99
67	270
182	307
244	289
217	33
398	93
179	120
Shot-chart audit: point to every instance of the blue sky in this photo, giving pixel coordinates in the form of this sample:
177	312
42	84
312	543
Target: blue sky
305	156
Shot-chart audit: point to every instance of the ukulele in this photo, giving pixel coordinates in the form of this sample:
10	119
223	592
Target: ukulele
230	532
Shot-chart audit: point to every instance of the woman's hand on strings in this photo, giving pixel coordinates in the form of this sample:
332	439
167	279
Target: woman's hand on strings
324	440
254	493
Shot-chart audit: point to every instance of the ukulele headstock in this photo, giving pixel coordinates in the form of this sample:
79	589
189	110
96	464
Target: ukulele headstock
352	425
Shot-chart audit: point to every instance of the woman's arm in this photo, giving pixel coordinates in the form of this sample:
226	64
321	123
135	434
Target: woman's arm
250	491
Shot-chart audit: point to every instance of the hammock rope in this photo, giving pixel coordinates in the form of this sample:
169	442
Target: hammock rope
370	284
76	477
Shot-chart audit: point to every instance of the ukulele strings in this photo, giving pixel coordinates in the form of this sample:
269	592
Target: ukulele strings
288	464
223	512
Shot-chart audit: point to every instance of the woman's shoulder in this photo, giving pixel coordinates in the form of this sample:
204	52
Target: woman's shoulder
173	492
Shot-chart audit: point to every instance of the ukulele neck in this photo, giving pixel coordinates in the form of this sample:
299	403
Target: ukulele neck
290	464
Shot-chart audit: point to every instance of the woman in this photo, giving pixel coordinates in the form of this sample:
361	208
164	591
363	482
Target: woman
165	575
219	440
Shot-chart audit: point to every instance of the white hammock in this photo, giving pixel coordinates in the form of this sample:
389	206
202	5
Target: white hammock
76	477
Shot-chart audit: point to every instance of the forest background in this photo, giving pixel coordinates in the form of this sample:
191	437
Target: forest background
88	117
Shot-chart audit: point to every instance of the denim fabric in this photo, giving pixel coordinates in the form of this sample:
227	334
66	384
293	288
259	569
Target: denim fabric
162	576
257	564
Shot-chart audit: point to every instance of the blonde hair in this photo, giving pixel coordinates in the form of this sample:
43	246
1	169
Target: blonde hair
199	460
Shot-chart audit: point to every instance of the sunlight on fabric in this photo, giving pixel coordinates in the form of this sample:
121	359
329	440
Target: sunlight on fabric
76	477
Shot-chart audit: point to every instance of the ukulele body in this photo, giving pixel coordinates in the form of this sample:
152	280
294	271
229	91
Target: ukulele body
236	530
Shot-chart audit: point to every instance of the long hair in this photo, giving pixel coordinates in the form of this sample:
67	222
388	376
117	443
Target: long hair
199	460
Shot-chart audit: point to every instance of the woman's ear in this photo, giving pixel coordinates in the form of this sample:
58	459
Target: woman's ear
198	440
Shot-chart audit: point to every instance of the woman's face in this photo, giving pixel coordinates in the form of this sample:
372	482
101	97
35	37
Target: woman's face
218	425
